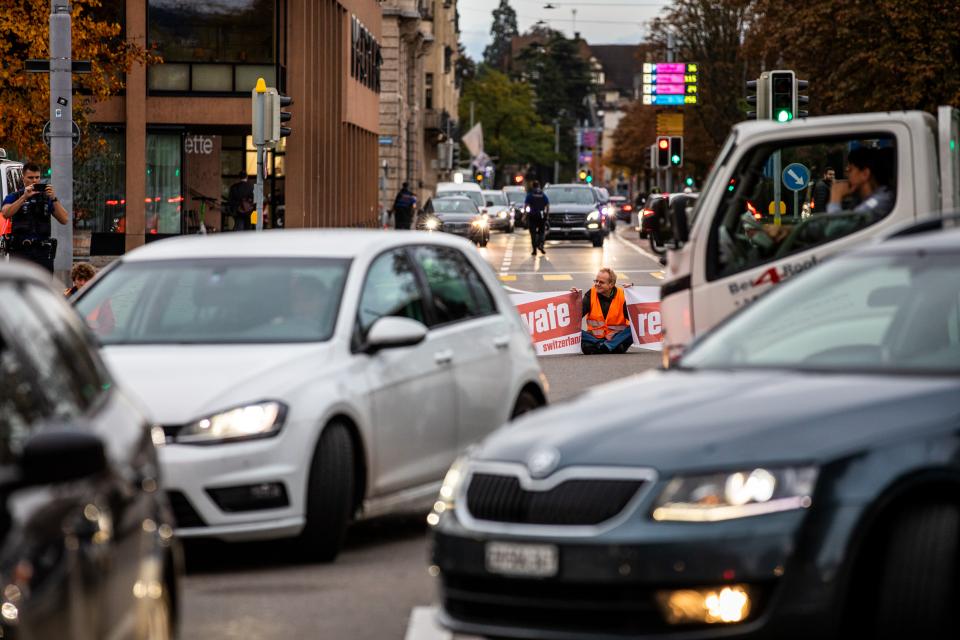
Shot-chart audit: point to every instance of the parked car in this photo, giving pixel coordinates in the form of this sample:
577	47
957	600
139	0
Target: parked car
305	378
797	475
457	215
87	542
517	197
499	211
655	218
574	213
623	208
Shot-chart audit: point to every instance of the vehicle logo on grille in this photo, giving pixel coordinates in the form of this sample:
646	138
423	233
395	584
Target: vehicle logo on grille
543	461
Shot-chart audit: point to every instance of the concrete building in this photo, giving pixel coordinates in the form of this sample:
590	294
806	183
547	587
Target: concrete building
419	96
180	135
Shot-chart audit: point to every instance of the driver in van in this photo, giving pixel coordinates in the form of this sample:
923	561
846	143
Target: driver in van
868	178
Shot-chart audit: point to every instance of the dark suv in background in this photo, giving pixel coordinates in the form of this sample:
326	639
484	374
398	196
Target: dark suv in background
575	213
655	218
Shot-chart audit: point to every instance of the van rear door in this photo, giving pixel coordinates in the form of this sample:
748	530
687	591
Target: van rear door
948	119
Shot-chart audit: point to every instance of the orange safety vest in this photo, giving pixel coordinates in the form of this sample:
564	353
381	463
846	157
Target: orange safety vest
605	328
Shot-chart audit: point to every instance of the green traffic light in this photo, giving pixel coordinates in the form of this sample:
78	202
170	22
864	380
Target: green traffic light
675	159
689	182
589	179
784	116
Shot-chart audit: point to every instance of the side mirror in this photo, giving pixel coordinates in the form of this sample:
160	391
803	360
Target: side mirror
61	455
392	332
489	203
679	222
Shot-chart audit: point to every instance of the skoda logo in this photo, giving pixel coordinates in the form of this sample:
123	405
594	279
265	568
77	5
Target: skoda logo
543	461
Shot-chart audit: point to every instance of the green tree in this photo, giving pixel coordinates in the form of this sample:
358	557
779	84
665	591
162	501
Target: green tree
24	33
513	132
503	30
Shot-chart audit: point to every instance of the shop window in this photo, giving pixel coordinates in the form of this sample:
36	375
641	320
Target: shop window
164	198
99	184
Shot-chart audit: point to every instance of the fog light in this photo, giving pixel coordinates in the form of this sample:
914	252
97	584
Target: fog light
722	605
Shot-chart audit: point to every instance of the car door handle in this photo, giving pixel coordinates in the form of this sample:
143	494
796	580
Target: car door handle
443	357
501	342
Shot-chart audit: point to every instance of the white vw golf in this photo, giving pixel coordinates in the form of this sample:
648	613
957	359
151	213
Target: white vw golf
303	378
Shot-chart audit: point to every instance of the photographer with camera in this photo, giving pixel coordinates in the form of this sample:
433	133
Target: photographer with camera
30	210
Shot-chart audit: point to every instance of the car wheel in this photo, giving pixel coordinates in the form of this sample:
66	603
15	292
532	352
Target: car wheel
920	577
329	494
656	246
526	402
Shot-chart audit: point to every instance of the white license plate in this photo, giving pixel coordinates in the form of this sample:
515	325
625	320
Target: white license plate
532	560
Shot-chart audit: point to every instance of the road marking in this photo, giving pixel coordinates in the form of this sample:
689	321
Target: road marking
657	274
512	290
553	277
619	272
423	626
507	278
642	252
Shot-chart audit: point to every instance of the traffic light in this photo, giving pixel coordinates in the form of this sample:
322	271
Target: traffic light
589	176
582	174
802	100
783	97
280	102
479	177
689	181
758	97
261	104
663	152
676	151
518	178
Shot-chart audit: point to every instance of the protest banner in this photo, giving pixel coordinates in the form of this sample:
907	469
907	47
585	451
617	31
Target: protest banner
643	307
553	319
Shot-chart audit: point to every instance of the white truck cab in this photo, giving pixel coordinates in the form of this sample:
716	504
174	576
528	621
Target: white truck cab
11	175
737	242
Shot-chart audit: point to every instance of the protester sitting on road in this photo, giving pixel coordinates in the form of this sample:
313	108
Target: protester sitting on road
868	177
605	310
80	274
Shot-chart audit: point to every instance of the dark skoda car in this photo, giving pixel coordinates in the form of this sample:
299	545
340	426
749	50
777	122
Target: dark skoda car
458	215
797	476
87	545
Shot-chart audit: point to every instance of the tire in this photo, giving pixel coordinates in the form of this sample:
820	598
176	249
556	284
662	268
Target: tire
525	403
330	494
920	579
655	246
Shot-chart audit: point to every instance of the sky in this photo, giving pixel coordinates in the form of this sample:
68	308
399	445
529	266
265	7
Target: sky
598	21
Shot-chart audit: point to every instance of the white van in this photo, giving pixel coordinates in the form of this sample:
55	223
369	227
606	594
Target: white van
738	243
469	189
11	175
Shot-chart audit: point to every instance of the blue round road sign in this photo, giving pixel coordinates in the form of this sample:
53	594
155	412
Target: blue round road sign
796	177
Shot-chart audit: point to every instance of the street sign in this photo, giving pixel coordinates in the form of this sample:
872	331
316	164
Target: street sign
386	140
796	177
75	134
670	83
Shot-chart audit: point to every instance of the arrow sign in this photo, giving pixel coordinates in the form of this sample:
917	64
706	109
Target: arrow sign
796	177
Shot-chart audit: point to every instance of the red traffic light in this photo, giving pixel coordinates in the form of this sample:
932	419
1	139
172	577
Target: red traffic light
663	143
518	178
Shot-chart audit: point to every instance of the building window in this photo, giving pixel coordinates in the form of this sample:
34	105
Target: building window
428	98
99	185
164	201
447	59
212	47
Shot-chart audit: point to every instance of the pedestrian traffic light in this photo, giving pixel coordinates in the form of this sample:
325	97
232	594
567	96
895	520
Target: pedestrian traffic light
279	116
783	97
676	151
663	152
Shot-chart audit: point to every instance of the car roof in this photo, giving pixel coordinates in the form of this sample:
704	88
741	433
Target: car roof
569	186
300	243
458	186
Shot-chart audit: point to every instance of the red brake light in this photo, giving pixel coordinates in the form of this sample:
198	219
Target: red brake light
627	207
647	213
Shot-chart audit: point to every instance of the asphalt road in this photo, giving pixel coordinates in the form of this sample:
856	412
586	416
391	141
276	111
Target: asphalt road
378	588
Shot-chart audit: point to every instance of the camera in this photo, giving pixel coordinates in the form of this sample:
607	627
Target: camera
40	187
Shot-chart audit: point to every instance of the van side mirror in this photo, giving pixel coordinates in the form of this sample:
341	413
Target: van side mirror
58	454
679	222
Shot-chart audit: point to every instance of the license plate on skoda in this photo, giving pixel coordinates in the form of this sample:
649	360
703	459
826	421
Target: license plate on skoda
522	560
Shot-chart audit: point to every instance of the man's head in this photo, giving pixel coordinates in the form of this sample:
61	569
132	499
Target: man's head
405	185
536	185
31	174
829	174
606	281
864	171
82	273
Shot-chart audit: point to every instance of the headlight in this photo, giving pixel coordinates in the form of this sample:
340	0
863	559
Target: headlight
526	209
726	496
432	224
502	214
480	222
448	490
593	215
260	420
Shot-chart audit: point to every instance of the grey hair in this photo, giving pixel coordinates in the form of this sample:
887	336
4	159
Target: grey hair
610	272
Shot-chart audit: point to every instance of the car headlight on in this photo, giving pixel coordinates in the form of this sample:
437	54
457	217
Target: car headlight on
480	222
431	224
502	214
257	420
740	494
593	216
446	501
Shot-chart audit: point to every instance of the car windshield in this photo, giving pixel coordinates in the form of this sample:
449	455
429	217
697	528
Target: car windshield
897	313
496	197
216	301
516	197
476	196
454	205
570	195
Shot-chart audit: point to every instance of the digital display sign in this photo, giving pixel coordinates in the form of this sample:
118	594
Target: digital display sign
671	84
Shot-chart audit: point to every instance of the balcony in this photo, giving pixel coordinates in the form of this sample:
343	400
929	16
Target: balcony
435	120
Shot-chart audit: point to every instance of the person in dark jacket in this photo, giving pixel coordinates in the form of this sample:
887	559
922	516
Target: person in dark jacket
538	208
821	190
403	206
30	211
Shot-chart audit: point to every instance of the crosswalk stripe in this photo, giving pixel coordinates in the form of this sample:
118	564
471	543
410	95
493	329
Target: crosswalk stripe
658	275
557	276
422	626
508	278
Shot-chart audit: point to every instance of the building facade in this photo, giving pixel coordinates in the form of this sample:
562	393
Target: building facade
419	95
179	137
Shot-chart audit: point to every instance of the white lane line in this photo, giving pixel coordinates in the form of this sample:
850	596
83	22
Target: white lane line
645	254
423	626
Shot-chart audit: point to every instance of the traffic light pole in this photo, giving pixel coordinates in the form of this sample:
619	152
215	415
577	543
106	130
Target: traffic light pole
258	189
259	139
61	130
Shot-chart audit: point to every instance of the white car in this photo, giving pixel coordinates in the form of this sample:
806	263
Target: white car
303	378
499	210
